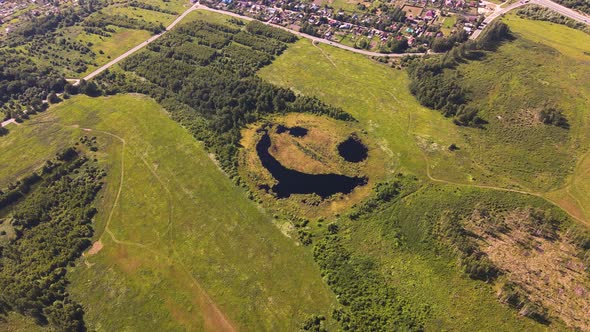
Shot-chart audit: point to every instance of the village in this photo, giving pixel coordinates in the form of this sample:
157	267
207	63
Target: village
396	27
11	11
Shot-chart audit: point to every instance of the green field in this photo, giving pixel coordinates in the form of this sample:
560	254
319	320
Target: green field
499	156
183	247
378	97
539	68
108	48
448	24
178	246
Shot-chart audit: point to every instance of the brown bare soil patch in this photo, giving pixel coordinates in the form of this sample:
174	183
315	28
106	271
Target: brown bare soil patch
413	11
125	262
529	117
96	247
214	319
543	263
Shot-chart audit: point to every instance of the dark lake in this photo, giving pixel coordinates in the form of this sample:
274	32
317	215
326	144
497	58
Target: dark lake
295	182
353	150
293	131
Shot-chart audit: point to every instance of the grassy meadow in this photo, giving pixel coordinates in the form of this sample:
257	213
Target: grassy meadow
183	248
506	155
540	68
377	96
531	158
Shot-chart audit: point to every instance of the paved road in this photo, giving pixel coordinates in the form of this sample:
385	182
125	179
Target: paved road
7	122
574	15
140	46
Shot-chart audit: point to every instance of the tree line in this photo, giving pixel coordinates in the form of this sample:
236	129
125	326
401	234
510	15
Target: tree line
435	82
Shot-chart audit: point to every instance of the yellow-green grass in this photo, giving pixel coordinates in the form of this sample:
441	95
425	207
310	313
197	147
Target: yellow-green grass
139	13
448	24
434	280
540	66
570	42
182	240
315	153
207	16
177	6
378	96
346	5
119	42
16	322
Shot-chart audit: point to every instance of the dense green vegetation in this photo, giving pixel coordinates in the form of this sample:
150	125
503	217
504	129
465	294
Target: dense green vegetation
403	259
51	218
218	93
369	303
24	84
101	20
435	84
535	12
580	5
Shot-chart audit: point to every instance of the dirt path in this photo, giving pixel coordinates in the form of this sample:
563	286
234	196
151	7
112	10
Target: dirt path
536	194
214	318
314	43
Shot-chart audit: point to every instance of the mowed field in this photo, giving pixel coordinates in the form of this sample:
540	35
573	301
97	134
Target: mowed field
182	247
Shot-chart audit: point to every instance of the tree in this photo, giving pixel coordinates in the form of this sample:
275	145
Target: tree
92	90
52	98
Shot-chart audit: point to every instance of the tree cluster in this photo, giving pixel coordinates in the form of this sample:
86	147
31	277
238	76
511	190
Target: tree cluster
435	81
554	117
25	83
581	5
101	20
368	302
147	6
258	28
474	261
52	219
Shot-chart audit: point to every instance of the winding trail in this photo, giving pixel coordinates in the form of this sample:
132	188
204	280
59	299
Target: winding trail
324	53
523	192
214	318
